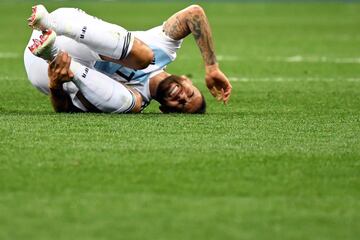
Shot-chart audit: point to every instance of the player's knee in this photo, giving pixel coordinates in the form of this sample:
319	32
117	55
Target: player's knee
117	99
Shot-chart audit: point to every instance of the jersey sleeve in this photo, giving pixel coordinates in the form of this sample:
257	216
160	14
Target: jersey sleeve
157	37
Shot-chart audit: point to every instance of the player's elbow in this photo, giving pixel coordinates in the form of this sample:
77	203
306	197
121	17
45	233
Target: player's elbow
196	9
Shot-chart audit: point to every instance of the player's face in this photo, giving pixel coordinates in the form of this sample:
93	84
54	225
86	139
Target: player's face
180	95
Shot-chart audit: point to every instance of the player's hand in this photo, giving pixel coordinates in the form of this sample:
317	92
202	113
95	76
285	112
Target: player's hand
218	83
59	70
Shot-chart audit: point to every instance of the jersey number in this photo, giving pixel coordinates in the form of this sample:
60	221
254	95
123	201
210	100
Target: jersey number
128	78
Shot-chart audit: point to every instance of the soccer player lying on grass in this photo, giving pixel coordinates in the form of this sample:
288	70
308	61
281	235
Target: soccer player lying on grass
108	73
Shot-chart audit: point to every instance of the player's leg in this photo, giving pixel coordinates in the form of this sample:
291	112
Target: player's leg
47	44
104	93
101	92
108	40
138	57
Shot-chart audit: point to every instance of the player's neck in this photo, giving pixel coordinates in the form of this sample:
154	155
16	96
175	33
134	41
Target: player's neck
155	81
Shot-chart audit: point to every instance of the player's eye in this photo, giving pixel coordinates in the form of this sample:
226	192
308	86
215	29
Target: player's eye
192	94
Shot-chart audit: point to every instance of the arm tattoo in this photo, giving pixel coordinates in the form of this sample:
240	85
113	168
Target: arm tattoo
176	28
200	28
182	24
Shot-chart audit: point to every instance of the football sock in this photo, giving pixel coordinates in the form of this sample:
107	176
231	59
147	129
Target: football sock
102	37
104	93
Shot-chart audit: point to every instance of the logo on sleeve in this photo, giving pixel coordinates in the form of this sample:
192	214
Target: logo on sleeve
86	71
83	31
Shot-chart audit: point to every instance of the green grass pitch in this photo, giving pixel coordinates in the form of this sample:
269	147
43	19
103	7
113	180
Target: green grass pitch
281	161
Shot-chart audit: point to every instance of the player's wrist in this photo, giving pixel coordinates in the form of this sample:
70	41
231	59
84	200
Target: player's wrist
56	86
211	68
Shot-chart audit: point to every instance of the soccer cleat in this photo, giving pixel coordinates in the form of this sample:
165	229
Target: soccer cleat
44	46
39	18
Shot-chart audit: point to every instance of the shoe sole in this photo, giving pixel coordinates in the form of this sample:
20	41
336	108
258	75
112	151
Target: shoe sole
48	39
38	12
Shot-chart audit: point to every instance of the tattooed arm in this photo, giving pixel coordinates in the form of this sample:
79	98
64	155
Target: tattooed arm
192	20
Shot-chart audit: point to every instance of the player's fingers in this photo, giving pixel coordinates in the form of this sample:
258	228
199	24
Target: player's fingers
219	96
52	64
227	92
65	68
68	62
68	71
62	67
63	73
215	94
228	88
213	91
58	59
57	65
226	99
64	59
60	53
223	98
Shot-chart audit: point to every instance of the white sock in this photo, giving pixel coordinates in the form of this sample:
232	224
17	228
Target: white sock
104	93
104	38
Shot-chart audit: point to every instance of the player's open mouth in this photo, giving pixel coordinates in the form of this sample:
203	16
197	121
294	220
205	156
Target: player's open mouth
174	90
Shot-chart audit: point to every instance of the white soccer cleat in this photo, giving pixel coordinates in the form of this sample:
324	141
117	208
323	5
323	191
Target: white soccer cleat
44	46
39	18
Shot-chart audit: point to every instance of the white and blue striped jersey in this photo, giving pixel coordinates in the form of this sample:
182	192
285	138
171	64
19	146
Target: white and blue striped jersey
164	49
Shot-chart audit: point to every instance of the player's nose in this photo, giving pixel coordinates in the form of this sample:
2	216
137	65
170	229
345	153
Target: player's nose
182	98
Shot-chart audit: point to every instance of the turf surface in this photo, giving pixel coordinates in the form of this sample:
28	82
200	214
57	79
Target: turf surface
281	161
